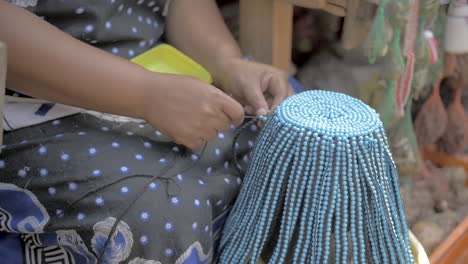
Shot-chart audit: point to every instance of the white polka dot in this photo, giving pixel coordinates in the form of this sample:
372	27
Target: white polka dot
99	201
43	150
2	164
232	127
194	157
227	180
131	52
175	201
250	143
65	157
59	135
142	44
115	145
201	182
24	141
72	186
140	19
145	216
209	170
158	133
115	50
81	133
4	146
194	226
245	158
237	146
97	173
104	128
92	151
226	164
175	149
56	122
130	133
139	157
217	152
180	177
22	173
120	8
208	203
151	42
140	2
238	180
168	252
43	172
149	21
207	228
108	25
168	226
80	216
156	9
155	24
89	28
144	239
218	203
147	144
141	126
254	128
79	10
134	30
221	135
129	11
151	3
112	1
124	190
162	160
124	169
59	213
197	203
153	186
52	191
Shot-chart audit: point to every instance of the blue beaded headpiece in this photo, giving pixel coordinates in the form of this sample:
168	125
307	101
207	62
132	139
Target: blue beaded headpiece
322	185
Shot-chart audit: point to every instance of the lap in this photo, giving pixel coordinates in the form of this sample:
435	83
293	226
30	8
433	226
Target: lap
69	182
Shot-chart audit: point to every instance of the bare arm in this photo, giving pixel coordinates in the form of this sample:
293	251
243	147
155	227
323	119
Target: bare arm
47	63
197	28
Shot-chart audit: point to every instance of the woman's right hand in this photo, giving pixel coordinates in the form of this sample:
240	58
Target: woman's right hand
188	110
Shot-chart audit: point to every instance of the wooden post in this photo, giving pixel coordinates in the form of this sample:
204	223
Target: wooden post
3	67
266	31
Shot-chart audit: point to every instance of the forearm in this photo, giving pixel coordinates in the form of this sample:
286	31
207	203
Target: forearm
47	63
197	28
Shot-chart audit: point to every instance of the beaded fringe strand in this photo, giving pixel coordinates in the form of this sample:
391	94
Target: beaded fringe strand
322	185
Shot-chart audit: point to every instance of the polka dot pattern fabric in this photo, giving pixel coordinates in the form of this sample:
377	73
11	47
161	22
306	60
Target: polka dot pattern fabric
122	27
82	175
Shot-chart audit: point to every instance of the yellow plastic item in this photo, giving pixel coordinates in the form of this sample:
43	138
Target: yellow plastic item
166	59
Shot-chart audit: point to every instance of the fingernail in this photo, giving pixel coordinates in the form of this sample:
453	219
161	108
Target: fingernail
261	112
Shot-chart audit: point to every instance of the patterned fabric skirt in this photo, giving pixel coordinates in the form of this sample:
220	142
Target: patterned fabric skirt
87	190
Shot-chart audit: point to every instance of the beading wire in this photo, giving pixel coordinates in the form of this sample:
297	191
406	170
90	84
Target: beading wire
321	186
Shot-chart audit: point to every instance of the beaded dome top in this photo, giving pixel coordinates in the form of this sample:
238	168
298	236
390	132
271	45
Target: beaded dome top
321	188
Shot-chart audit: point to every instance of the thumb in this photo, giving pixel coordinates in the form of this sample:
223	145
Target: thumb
256	100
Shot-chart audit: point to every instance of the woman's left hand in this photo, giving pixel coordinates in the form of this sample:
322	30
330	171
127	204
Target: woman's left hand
258	87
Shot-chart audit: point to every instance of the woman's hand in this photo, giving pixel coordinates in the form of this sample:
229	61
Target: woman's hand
189	110
258	87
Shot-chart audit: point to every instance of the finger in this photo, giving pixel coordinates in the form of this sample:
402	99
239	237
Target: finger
233	110
249	109
222	124
256	100
279	90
